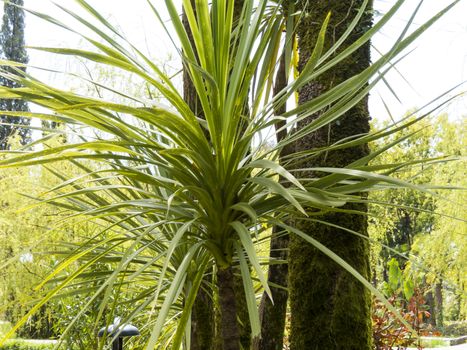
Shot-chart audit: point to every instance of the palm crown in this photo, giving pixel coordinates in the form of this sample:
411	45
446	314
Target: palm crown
191	193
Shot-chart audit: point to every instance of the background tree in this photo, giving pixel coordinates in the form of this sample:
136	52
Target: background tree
329	308
396	226
12	49
420	227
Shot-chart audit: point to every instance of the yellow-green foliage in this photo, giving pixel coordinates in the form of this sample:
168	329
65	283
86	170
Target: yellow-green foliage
4	327
436	242
29	234
19	344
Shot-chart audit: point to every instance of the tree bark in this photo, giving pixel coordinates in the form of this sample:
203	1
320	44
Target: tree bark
439	304
227	303
330	308
202	322
430	301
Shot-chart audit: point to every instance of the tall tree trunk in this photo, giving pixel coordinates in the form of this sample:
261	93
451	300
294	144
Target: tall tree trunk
272	316
430	301
227	302
330	308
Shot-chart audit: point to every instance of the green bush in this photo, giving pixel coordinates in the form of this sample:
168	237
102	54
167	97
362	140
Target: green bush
20	344
5	326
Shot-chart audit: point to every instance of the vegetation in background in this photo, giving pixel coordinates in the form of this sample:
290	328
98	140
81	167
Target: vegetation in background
12	48
19	344
419	227
388	331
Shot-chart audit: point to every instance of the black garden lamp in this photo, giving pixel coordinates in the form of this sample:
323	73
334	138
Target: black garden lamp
121	332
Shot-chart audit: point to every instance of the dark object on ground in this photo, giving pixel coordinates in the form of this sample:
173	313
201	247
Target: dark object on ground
115	329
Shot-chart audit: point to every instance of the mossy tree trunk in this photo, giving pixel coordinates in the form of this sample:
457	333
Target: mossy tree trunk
330	308
227	302
439	304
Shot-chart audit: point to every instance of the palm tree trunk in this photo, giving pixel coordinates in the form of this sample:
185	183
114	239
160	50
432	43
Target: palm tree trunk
227	303
330	309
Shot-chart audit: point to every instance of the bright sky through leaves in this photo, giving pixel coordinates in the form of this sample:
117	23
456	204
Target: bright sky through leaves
438	62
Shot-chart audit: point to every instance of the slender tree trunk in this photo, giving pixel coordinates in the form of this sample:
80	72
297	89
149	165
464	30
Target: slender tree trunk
330	308
272	316
439	304
227	302
430	301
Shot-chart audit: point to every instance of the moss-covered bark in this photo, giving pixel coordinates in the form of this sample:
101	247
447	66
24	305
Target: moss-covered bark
202	322
227	302
272	316
331	309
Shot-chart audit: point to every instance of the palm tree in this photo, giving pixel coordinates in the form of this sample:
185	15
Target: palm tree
184	199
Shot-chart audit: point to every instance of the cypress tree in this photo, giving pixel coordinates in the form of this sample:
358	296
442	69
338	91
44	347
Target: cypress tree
12	48
330	308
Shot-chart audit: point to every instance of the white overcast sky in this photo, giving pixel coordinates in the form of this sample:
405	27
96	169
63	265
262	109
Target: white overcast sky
438	62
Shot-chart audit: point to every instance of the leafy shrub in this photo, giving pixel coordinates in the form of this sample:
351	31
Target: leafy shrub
20	344
5	326
388	330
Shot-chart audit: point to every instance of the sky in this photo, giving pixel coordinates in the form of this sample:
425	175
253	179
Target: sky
437	63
